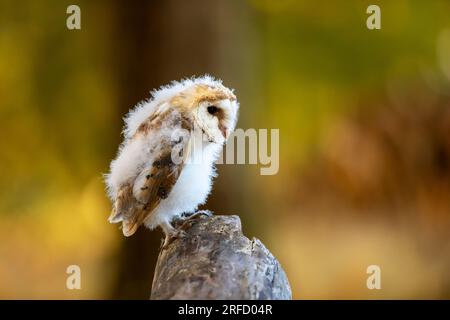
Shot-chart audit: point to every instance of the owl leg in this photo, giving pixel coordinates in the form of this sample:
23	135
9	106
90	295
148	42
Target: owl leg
171	234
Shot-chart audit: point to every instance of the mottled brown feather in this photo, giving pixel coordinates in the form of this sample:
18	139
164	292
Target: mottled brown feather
160	177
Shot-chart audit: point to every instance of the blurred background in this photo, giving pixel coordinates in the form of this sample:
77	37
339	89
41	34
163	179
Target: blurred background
364	119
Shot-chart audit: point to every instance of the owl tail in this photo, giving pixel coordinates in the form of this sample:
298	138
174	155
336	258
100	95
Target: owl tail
129	227
115	217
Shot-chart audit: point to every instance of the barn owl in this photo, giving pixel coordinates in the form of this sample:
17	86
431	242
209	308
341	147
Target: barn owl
158	174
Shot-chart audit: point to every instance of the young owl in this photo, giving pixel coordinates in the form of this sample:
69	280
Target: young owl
163	169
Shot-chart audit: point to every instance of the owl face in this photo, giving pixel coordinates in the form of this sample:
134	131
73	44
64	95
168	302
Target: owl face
212	106
216	119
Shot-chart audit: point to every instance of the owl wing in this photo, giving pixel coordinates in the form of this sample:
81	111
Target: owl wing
135	203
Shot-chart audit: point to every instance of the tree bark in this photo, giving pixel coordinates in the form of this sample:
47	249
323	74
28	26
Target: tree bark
214	260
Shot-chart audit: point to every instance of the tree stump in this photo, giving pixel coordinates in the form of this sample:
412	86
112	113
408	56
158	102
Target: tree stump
216	261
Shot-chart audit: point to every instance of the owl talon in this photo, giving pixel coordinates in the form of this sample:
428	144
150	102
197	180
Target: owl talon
166	242
170	237
189	219
207	213
198	214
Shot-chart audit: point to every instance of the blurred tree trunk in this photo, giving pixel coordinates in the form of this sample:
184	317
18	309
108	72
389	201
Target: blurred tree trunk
156	42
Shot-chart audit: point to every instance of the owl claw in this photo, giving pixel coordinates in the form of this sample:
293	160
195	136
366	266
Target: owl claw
207	213
170	237
198	214
187	222
179	232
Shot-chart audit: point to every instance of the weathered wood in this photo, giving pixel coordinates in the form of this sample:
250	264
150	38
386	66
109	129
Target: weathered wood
216	261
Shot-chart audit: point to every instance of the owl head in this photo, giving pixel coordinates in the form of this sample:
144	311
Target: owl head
212	107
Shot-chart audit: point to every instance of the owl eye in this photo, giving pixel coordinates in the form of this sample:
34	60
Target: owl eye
212	110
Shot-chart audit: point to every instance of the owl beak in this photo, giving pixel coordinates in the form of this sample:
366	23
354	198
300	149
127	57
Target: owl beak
223	129
207	136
